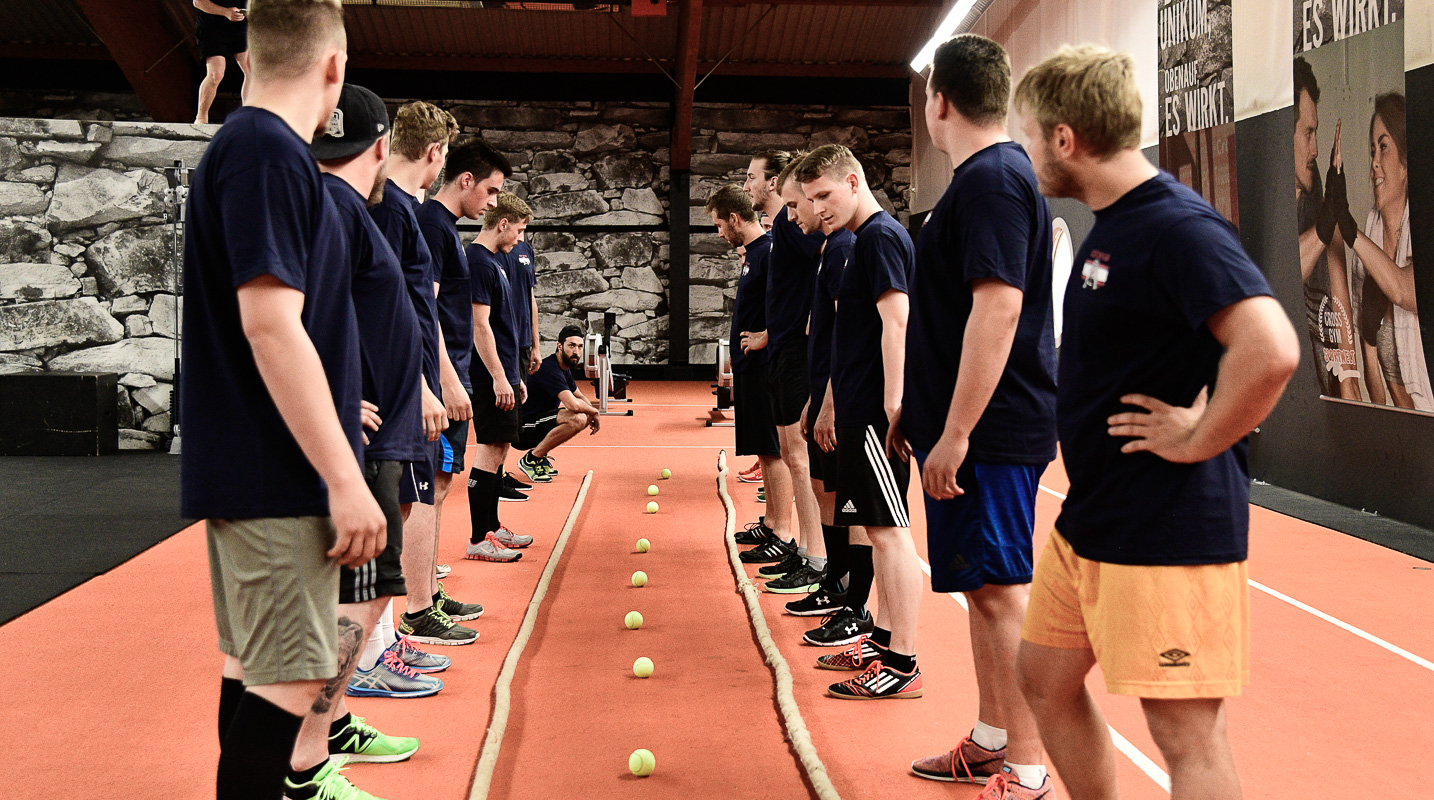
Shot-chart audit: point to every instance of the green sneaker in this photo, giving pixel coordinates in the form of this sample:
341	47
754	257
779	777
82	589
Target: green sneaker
360	741
329	784
535	468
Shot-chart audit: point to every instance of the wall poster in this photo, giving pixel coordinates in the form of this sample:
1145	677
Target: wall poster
1352	193
1197	99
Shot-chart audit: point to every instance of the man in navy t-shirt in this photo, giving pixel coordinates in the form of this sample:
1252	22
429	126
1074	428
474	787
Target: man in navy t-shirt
270	394
496	377
521	264
556	409
868	355
979	408
1172	352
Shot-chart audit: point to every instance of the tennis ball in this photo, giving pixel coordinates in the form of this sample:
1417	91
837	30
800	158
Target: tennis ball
652	507
639	578
633	621
643	545
666	473
641	763
652	490
642	667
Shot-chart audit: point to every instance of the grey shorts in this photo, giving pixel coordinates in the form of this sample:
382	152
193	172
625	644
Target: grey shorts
276	596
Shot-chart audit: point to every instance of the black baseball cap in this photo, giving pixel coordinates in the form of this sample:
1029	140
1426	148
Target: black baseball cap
357	122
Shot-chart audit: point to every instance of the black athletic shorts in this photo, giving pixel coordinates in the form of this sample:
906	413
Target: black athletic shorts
823	465
491	424
525	358
756	432
787	382
383	576
456	436
416	483
537	429
222	40
871	487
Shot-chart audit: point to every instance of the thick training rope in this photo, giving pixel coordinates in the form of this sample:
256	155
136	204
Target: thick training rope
503	689
797	731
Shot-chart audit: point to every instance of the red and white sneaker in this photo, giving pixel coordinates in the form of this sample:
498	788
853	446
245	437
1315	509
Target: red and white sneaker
1004	786
507	538
879	682
490	550
968	762
856	657
752	474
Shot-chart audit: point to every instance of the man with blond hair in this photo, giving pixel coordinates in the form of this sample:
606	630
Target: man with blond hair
1172	352
271	394
499	390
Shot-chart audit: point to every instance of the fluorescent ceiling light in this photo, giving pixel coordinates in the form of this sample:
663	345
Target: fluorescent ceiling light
944	31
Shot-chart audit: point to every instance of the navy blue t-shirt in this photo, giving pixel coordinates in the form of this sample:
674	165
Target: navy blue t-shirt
396	218
450	271
389	345
488	286
257	206
790	274
520	264
992	222
824	294
883	259
545	385
749	313
1158	263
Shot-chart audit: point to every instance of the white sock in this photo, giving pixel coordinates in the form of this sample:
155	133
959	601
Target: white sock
801	551
817	563
1031	776
372	649
385	624
988	737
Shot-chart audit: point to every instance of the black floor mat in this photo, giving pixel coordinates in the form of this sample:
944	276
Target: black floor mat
1409	539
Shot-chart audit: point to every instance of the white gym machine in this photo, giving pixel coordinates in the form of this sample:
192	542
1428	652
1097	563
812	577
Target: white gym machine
723	388
597	365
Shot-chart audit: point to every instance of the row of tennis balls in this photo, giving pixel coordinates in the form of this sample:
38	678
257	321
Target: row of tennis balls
652	492
642	762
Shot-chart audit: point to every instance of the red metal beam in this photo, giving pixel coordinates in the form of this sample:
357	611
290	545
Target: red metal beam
689	36
137	37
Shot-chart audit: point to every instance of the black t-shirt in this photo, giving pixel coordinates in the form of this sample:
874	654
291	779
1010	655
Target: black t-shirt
520	264
992	222
883	259
389	345
834	259
488	286
1158	263
396	218
450	271
545	385
790	274
257	206
749	313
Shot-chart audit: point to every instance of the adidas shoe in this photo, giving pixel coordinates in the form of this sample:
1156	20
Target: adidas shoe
507	538
362	742
802	580
508	494
816	604
457	610
755	533
769	553
418	660
1004	786
854	658
753	474
329	784
793	561
491	550
441	571
840	627
390	677
435	627
512	482
968	762
879	682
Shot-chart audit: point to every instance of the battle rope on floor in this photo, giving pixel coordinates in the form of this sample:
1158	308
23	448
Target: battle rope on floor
503	688
797	732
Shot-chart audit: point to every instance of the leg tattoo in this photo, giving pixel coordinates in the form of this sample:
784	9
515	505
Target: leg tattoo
350	645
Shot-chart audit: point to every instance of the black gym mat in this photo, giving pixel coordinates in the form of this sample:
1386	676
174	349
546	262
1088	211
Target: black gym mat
1408	539
66	520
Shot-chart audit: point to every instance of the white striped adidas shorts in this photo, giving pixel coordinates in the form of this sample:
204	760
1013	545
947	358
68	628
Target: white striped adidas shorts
870	486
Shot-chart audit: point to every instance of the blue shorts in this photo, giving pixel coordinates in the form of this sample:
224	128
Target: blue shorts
455	444
984	535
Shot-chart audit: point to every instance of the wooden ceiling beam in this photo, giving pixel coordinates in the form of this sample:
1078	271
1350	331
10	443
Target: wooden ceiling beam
619	66
142	45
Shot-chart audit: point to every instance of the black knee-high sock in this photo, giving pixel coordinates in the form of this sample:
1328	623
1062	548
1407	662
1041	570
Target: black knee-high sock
231	691
863	573
497	480
255	754
838	556
481	497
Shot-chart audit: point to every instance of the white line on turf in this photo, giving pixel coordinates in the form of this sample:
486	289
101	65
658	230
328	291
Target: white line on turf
1335	621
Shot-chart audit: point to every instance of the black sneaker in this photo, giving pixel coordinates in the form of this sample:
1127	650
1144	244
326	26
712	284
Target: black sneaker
842	627
508	494
756	533
511	481
457	610
434	627
816	604
801	580
769	553
777	570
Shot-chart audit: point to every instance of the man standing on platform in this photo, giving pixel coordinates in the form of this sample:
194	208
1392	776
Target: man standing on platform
222	34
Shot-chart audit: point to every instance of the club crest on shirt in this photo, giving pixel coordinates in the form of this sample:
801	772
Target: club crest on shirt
525	261
1096	271
336	124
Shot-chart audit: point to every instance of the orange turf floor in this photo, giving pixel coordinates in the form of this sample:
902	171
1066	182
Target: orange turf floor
114	685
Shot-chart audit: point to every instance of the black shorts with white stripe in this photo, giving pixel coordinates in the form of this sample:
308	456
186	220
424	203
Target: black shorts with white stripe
383	576
416	483
870	486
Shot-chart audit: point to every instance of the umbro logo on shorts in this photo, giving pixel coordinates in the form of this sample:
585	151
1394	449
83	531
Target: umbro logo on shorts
1174	657
849	508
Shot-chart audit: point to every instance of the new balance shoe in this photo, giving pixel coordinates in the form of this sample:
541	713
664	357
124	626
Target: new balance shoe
777	570
967	762
801	580
816	604
752	474
435	627
441	571
329	784
360	741
840	627
1004	786
854	658
457	610
507	538
769	553
879	682
755	533
508	494
511	481
491	550
418	660
390	677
